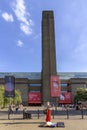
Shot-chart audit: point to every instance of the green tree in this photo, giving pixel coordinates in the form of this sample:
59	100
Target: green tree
81	94
1	96
17	99
4	101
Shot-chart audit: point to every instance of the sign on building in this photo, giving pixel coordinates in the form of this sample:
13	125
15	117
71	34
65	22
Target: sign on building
65	98
9	86
34	97
55	86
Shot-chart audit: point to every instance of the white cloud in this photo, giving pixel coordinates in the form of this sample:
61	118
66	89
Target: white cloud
7	17
20	43
22	15
25	28
20	11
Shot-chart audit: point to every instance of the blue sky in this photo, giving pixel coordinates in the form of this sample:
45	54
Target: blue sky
20	35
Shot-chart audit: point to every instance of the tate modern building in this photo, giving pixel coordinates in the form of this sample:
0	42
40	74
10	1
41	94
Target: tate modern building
48	85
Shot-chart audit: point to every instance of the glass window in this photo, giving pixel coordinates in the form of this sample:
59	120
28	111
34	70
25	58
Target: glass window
34	85
63	85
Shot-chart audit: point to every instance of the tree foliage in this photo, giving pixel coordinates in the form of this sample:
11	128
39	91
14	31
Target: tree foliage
17	99
81	94
1	95
5	101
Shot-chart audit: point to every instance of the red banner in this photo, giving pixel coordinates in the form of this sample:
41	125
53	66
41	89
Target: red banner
34	97
55	86
65	98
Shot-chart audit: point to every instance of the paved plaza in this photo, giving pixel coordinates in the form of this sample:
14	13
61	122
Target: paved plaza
17	122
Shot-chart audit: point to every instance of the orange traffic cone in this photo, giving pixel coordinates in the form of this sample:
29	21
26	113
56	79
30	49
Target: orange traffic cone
48	116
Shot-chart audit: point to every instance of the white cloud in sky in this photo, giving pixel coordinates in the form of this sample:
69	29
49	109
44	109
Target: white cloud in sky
7	17
27	30
20	43
22	15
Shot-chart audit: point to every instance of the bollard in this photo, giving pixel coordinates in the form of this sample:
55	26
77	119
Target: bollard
38	113
8	116
67	114
53	113
82	112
